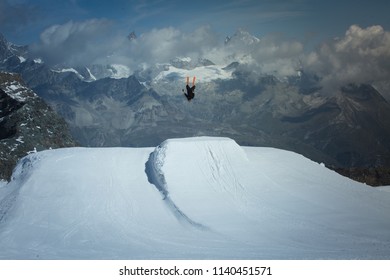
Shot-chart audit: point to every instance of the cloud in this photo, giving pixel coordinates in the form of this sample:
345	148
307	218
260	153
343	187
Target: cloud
161	45
277	56
361	56
74	43
94	41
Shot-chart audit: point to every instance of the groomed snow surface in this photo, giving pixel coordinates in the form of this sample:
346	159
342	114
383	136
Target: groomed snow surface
192	198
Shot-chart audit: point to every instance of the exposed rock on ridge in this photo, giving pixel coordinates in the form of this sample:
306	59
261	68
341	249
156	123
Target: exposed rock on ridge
27	124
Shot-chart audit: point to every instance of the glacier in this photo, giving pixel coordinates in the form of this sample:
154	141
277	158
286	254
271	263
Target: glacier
202	73
188	198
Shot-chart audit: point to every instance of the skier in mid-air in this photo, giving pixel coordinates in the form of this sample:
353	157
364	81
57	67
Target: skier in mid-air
190	90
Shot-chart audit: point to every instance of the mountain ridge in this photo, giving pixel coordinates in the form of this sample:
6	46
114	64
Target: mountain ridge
27	124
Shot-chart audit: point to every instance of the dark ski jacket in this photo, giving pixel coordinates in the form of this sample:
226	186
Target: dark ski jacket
190	92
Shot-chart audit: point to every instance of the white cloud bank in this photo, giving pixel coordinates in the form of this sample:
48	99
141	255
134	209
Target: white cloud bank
361	56
73	42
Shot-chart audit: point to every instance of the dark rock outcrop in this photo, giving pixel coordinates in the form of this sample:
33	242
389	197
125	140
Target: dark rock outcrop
27	124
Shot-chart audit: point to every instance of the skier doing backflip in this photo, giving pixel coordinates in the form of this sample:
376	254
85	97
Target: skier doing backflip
190	90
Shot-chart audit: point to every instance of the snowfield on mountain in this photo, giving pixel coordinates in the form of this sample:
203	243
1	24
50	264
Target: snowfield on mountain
188	198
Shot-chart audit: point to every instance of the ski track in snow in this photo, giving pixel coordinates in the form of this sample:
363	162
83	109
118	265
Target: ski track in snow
191	198
22	172
153	170
6	204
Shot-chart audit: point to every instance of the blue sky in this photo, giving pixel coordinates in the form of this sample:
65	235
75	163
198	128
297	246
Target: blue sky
22	21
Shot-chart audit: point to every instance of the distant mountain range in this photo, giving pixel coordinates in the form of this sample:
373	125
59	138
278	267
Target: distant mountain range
106	105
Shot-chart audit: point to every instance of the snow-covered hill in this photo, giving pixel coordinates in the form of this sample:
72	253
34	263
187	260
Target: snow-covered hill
189	198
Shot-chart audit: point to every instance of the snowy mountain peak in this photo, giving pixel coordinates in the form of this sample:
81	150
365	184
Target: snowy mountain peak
4	48
13	87
132	36
96	72
243	37
188	63
3	41
182	62
8	50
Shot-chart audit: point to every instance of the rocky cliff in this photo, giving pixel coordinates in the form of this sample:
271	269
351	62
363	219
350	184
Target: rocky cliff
27	124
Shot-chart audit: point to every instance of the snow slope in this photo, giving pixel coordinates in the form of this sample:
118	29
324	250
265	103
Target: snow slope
192	198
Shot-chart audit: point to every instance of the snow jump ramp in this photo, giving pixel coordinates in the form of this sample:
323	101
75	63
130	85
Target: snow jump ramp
196	167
